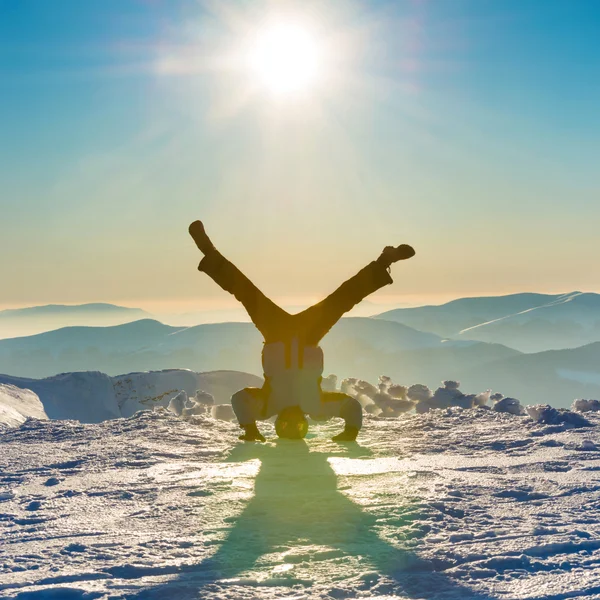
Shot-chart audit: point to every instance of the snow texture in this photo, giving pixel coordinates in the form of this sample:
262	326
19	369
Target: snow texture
452	504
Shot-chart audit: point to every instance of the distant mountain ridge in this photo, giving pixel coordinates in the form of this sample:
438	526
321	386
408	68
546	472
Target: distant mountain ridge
56	309
526	322
355	347
16	322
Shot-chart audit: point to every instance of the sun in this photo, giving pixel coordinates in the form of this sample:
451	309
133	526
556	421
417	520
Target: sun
285	58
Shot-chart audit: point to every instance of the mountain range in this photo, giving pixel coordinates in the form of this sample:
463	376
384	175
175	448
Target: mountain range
526	322
355	347
506	343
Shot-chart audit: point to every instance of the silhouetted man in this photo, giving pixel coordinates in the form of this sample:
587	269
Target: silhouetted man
291	357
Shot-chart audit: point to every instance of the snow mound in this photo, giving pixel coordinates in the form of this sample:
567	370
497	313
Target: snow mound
193	409
177	403
546	414
444	397
17	405
329	383
204	398
419	393
508	405
583	405
222	412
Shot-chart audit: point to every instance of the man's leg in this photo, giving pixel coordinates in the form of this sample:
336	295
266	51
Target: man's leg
249	405
336	404
269	318
317	320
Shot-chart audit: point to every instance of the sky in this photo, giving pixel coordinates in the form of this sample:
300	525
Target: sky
467	128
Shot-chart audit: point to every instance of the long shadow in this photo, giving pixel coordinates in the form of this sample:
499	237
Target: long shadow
298	511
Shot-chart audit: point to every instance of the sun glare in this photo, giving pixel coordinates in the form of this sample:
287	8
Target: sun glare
285	58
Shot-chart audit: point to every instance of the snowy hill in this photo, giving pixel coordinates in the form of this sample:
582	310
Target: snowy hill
451	505
527	322
17	405
92	397
36	319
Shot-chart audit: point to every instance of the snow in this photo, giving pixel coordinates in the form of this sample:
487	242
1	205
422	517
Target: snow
16	405
544	413
509	405
177	403
86	396
92	397
451	504
583	405
138	391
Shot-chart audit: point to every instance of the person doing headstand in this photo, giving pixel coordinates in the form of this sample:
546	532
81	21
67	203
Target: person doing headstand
292	358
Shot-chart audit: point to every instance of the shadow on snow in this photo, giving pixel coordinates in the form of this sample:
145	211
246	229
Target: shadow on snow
297	510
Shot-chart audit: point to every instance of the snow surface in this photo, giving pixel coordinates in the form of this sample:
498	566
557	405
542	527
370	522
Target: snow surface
449	504
16	405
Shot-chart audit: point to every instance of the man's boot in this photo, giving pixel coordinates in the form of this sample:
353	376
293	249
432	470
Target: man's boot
390	255
203	242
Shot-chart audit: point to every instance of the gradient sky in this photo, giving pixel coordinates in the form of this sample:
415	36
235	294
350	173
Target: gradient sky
468	128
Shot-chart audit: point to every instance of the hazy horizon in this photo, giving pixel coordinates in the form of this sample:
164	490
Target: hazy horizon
376	303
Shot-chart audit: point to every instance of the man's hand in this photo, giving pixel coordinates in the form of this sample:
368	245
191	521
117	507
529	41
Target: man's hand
252	434
348	435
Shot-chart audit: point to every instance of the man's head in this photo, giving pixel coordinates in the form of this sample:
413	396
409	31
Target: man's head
291	424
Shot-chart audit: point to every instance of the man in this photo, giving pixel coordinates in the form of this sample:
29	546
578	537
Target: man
292	359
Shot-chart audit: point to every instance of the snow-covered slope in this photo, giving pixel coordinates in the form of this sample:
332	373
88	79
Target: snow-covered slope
88	396
138	391
452	504
17	404
92	397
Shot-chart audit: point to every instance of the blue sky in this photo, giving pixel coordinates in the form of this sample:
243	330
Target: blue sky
469	128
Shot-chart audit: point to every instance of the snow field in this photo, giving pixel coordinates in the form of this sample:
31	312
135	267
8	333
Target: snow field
453	503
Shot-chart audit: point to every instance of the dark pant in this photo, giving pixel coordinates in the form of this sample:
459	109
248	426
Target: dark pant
277	325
